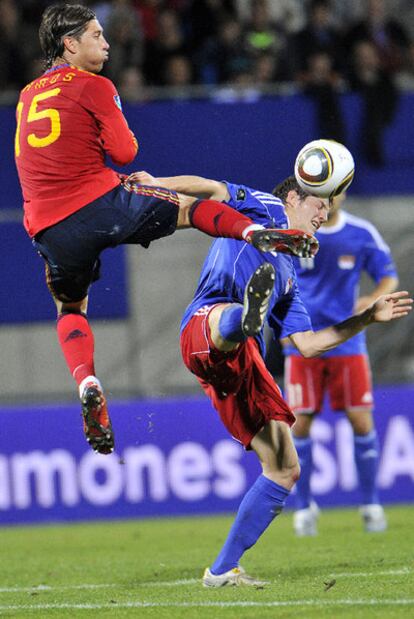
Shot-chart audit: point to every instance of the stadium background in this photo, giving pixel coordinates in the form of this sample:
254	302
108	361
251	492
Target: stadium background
172	454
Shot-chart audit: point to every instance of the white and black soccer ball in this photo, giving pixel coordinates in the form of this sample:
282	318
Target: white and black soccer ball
324	168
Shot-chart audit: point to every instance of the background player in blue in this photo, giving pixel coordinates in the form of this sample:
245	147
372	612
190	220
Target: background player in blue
329	286
221	341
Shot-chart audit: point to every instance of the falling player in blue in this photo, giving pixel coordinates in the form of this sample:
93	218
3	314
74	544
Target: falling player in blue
221	343
329	286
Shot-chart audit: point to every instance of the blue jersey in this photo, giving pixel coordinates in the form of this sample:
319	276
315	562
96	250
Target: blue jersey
329	283
230	263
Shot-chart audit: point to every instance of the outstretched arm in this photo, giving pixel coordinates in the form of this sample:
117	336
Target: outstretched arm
386	308
188	185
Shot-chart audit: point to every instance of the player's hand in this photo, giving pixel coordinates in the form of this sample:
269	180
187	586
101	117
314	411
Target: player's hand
391	306
142	178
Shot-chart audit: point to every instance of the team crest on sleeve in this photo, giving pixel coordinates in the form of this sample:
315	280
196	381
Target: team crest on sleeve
118	103
241	194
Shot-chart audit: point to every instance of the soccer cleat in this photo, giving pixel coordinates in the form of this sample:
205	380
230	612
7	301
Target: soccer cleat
305	521
257	296
373	517
234	578
96	423
295	242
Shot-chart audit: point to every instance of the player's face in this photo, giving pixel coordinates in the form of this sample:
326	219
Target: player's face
315	213
91	50
307	214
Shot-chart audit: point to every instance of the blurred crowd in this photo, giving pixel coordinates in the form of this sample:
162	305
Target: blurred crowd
240	48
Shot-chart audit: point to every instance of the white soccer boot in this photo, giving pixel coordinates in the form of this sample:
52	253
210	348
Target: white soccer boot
234	578
305	521
373	517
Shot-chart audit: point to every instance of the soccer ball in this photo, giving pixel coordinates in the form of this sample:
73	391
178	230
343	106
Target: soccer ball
324	168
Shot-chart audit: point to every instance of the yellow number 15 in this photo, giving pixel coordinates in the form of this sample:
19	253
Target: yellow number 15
33	115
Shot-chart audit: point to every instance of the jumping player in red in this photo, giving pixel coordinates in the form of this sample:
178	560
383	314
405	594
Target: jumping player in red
222	344
75	206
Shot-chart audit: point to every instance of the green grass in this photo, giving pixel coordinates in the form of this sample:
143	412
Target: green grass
44	570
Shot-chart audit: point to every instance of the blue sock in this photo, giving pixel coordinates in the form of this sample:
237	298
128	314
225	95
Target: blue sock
366	452
230	323
260	505
304	449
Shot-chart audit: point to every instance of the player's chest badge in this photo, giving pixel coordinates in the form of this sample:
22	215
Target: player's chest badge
346	262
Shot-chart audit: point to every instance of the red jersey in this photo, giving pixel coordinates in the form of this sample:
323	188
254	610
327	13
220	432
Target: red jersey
67	120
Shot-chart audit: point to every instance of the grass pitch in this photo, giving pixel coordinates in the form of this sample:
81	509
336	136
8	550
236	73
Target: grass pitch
152	569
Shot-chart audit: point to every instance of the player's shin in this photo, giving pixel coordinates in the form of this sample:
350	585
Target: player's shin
366	452
218	219
303	493
230	323
260	505
77	343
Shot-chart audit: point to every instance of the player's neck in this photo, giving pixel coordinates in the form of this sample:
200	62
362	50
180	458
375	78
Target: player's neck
64	62
60	62
332	220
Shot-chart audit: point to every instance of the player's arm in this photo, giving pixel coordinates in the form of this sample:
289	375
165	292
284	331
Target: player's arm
385	308
188	185
386	285
101	98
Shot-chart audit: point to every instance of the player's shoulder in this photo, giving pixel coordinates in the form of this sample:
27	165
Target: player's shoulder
96	80
240	192
266	202
357	221
265	197
363	227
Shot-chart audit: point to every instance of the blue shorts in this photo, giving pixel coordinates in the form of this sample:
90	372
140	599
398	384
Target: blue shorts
132	214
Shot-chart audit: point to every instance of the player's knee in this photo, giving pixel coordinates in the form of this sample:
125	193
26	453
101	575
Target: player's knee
295	472
185	210
361	421
286	474
292	473
72	308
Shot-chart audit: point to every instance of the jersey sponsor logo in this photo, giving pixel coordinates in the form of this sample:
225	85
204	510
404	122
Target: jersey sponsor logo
241	194
118	103
346	262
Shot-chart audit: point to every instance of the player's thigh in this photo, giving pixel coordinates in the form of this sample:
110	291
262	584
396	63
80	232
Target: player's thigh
224	371
350	383
70	266
274	447
151	212
304	384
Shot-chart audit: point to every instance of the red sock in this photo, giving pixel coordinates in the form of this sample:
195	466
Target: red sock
218	219
77	344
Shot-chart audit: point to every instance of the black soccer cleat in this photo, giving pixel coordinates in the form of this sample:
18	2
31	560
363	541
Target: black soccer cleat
257	296
294	242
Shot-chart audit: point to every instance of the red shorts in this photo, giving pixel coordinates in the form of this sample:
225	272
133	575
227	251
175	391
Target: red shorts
240	387
347	378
